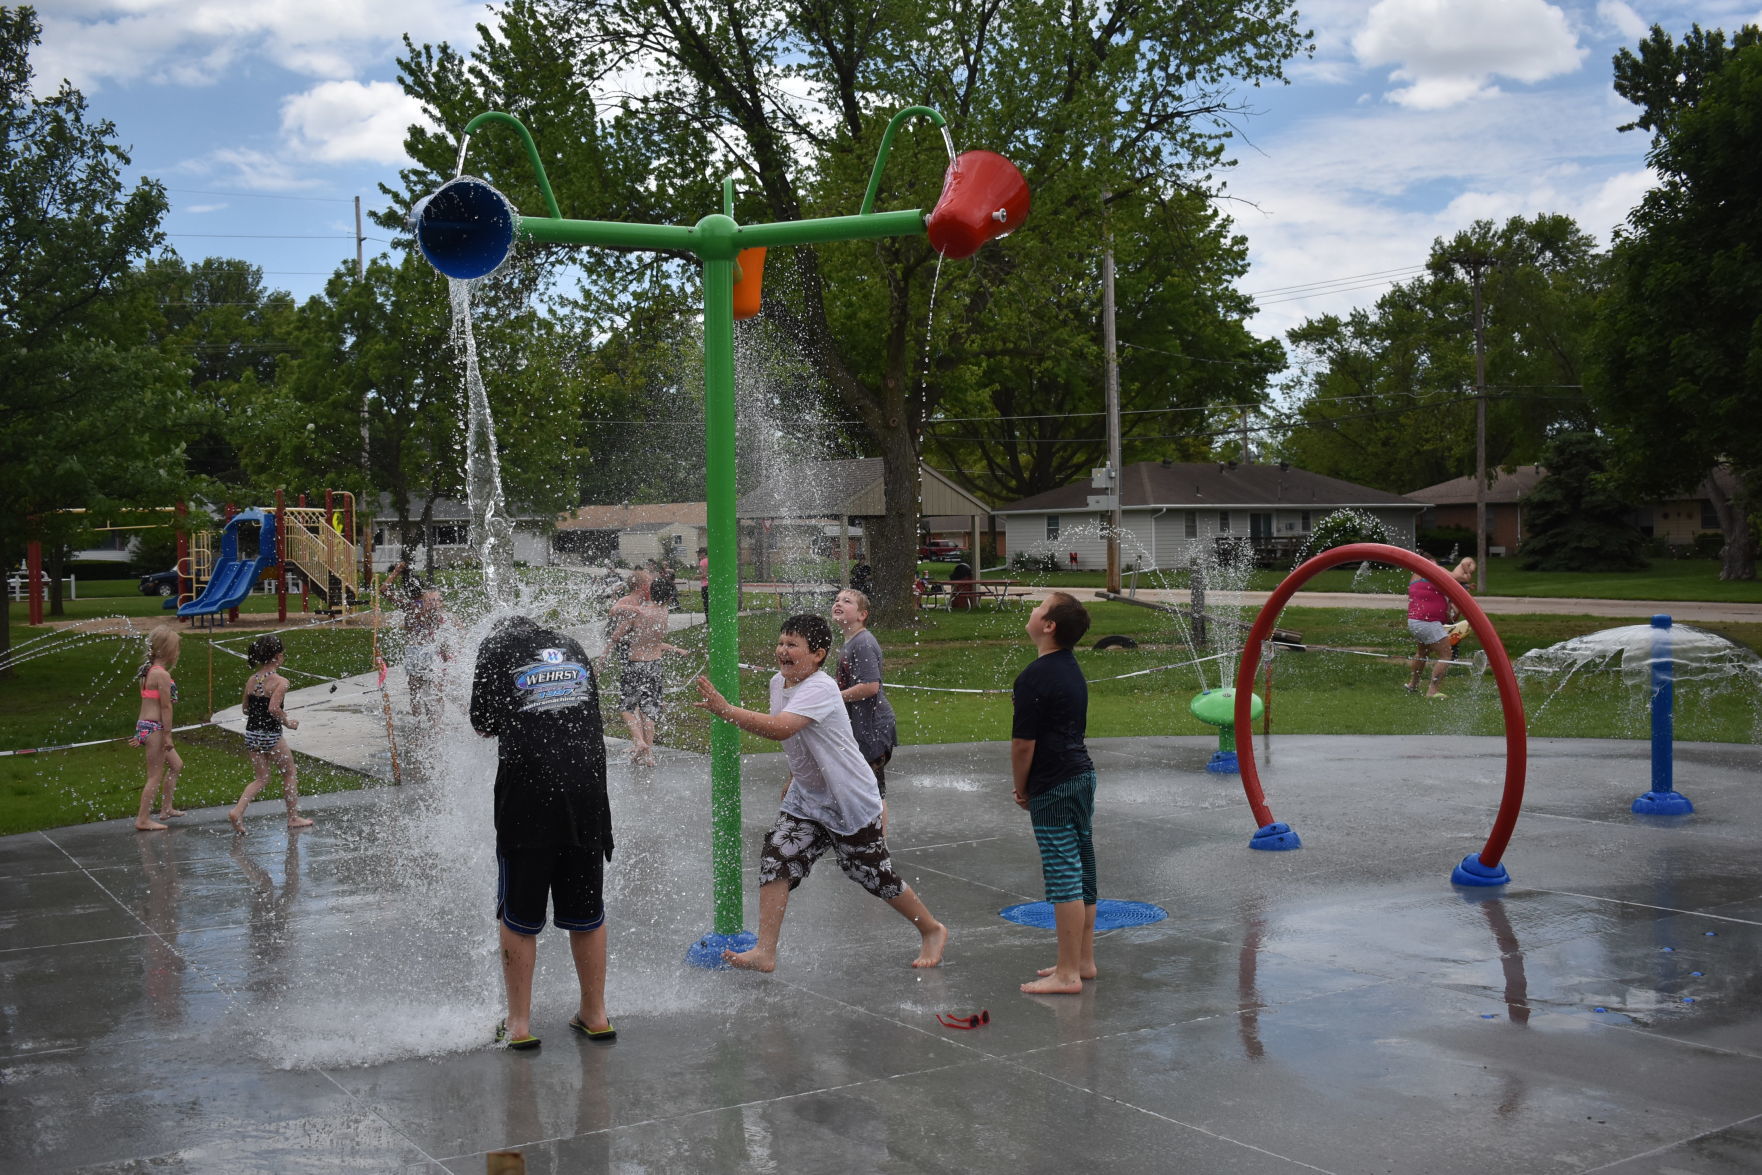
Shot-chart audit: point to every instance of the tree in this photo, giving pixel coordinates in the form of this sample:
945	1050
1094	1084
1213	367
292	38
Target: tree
386	341
1679	344
1575	520
87	406
1125	98
1386	397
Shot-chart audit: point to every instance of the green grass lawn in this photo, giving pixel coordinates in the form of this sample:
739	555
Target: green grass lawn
1665	579
85	690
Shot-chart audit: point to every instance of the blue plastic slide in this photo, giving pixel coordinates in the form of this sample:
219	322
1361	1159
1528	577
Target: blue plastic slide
247	550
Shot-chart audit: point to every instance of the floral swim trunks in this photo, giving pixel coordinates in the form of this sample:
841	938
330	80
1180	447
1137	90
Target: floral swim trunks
145	729
794	844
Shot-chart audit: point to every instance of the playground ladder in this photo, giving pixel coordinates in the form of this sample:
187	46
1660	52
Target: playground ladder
328	560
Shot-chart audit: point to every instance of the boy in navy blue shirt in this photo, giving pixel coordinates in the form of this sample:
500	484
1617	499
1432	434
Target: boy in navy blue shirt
1055	782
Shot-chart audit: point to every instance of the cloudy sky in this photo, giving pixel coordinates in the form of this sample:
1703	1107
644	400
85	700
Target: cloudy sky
266	118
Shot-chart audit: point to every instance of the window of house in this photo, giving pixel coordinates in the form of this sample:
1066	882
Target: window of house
1192	527
1709	519
1260	525
1223	522
449	534
1304	525
1052	528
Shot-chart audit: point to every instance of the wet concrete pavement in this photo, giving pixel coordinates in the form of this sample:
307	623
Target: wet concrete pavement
322	1000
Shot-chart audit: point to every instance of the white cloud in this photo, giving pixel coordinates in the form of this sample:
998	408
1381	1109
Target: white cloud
1624	20
1367	189
1449	51
197	209
348	122
198	42
253	170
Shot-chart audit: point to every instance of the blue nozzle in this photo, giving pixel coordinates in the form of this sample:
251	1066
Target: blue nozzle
465	229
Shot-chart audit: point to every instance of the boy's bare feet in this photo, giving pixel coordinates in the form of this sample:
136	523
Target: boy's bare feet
934	941
1053	985
168	813
753	960
1088	972
299	822
237	821
150	826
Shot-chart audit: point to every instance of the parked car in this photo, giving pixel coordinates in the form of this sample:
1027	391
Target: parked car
942	549
160	583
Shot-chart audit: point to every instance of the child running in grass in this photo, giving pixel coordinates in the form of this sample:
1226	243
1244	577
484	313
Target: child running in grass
830	800
1055	782
265	691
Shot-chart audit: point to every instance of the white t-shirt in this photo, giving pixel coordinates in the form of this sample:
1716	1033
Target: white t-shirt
833	784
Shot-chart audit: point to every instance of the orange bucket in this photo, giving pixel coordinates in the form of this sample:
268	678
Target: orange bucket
746	287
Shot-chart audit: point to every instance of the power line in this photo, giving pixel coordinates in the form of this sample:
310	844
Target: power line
1376	273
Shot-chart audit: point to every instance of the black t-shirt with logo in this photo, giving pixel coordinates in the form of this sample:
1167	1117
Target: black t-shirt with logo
1052	708
534	689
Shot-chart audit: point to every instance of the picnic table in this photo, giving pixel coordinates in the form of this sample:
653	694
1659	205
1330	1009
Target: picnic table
962	594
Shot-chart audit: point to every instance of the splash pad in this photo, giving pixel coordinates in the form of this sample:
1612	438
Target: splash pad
467	229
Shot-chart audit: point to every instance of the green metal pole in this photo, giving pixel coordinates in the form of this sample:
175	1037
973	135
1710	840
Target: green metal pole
724	543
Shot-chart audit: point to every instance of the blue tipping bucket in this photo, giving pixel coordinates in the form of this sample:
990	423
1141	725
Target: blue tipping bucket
465	229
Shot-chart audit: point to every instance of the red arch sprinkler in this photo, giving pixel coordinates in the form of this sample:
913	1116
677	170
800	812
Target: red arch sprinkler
1480	869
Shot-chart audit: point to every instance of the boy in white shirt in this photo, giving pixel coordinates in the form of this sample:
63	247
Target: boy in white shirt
830	801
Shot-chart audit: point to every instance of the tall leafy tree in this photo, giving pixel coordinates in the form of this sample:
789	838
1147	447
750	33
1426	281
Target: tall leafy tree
1679	347
86	412
385	343
1386	394
1124	98
1575	519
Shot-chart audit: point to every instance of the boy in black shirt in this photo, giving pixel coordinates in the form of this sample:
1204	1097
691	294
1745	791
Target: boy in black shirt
534	689
1055	781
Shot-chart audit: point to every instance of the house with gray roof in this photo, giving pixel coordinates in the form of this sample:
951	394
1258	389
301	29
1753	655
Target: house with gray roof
1170	509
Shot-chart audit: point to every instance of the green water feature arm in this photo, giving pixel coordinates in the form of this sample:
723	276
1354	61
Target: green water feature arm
868	226
538	167
887	145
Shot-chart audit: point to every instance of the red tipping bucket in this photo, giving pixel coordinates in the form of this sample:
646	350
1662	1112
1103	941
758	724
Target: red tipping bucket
983	197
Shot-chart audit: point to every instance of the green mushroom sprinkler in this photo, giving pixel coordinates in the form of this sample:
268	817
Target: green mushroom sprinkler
466	230
1217	707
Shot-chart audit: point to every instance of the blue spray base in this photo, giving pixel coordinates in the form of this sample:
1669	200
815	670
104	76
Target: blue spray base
1275	838
1223	763
1663	803
1109	914
1472	872
706	952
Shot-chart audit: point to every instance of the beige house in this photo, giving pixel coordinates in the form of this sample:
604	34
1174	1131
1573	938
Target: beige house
672	531
823	504
1676	522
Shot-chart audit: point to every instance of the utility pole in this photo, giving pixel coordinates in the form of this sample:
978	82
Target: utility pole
1111	382
364	510
1477	264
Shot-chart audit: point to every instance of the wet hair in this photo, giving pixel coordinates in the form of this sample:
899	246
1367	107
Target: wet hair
1070	618
160	642
810	628
862	598
263	650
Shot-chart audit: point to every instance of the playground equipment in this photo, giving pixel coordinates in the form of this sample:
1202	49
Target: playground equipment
1217	707
310	540
466	229
1478	869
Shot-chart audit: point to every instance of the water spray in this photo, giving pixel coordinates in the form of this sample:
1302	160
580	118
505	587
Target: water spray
466	230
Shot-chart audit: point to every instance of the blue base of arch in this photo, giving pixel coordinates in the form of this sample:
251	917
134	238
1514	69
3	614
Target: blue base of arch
1663	803
1275	838
706	952
1109	914
1223	763
1472	872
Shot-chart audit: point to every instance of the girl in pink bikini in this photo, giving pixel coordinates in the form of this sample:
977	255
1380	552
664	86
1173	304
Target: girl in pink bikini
153	729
